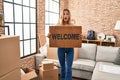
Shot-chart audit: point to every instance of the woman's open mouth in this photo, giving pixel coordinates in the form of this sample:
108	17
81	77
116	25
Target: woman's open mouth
65	19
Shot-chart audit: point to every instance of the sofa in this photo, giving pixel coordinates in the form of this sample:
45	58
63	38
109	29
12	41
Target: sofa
93	63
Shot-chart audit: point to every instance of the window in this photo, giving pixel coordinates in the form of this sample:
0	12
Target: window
51	14
20	15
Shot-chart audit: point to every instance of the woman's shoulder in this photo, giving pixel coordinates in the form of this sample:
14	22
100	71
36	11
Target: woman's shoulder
70	24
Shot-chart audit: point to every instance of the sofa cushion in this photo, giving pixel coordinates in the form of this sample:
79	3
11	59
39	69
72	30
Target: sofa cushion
100	75
87	51
105	53
117	59
85	75
84	64
43	49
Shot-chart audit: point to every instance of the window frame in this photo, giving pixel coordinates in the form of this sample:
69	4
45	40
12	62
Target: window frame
30	39
49	12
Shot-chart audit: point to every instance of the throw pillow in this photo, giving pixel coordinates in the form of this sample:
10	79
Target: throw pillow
117	59
43	49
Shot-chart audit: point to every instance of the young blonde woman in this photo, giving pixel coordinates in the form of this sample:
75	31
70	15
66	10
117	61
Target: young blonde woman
65	55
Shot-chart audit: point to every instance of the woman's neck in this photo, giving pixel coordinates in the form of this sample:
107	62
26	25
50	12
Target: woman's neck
65	23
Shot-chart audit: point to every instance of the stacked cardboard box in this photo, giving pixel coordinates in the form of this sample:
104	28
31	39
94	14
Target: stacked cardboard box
48	71
10	58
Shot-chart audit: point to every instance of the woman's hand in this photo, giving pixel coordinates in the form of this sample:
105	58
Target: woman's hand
49	35
81	36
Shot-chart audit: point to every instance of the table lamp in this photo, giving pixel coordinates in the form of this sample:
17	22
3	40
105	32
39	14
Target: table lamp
117	26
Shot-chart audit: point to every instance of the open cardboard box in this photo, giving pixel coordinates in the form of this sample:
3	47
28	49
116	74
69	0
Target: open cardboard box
29	74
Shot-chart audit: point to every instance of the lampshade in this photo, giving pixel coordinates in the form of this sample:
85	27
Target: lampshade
117	26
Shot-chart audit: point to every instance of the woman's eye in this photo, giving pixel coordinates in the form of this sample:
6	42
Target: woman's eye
67	14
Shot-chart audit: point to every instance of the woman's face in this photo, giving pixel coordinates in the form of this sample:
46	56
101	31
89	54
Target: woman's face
66	16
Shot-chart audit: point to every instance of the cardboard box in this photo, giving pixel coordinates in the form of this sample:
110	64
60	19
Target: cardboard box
47	65
65	36
42	40
52	53
48	74
13	75
9	54
29	74
76	53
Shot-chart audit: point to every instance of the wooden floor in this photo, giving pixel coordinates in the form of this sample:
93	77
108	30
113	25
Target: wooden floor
78	79
72	79
38	78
